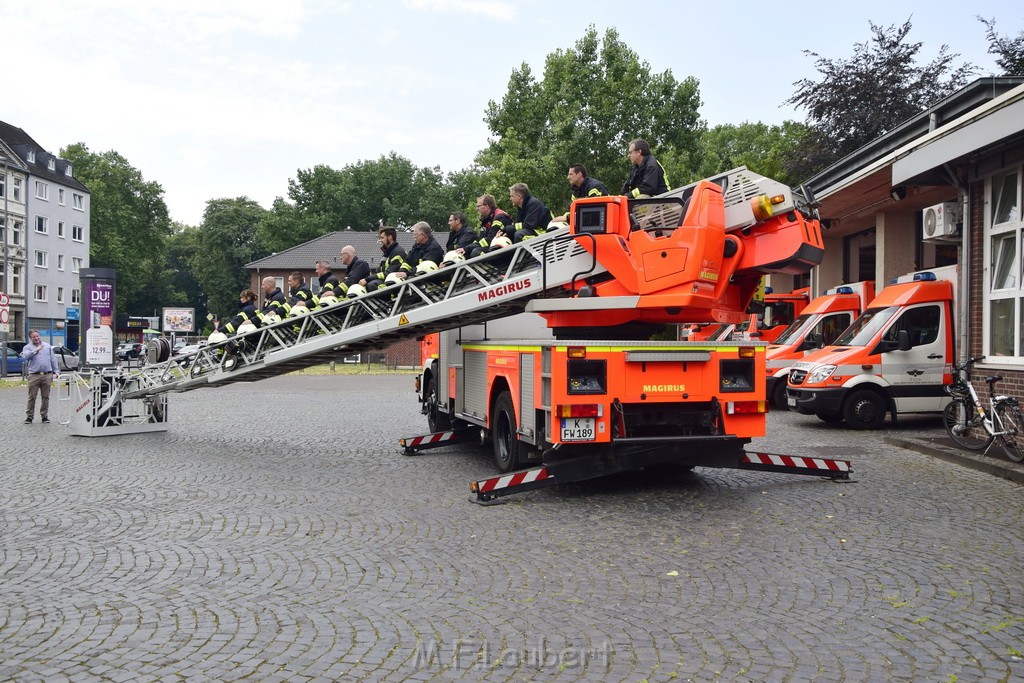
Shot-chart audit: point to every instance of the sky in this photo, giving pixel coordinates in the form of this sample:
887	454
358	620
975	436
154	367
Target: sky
231	98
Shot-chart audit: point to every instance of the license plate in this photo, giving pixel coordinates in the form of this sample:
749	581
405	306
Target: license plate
791	402
577	429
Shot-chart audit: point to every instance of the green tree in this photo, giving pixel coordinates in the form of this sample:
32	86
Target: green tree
857	100
1009	50
592	100
129	226
185	290
761	148
226	241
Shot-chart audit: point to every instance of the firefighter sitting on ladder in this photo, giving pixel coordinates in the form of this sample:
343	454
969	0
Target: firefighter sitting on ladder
493	222
532	216
426	255
248	314
300	295
330	286
392	262
275	305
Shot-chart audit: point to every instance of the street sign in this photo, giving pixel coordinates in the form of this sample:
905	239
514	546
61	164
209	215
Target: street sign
5	312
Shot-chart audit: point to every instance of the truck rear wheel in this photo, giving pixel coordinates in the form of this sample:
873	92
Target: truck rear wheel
778	396
503	433
436	420
864	409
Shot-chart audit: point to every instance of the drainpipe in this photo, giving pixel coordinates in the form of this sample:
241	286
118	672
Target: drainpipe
964	291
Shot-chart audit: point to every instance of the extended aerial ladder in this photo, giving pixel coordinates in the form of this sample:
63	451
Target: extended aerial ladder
556	265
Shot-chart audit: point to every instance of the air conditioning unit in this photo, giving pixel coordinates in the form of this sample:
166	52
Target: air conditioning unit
939	222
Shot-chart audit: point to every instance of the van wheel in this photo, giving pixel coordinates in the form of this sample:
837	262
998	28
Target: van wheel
503	433
831	419
779	396
864	409
436	420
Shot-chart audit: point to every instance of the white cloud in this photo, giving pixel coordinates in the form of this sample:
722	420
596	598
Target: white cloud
498	10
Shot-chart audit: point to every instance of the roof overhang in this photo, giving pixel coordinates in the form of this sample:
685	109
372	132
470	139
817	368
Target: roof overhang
921	162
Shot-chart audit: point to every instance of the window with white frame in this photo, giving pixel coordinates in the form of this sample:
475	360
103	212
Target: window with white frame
40	292
3	184
1004	291
16	229
78	201
16	190
60	229
76	296
60	295
51	164
42	225
76	264
42	258
60	261
42	190
60	196
77	233
16	286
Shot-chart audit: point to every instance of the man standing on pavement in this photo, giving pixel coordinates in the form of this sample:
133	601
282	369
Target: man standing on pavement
42	368
646	176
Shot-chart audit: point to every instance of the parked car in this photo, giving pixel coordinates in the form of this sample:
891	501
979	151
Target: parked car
16	344
183	352
14	361
66	358
130	350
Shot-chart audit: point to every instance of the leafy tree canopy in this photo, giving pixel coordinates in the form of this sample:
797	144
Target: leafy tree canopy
128	227
1010	51
226	241
592	100
859	99
761	148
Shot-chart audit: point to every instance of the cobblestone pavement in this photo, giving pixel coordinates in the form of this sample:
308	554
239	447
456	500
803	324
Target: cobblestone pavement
275	532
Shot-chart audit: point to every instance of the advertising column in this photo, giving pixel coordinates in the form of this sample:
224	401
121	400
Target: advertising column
97	324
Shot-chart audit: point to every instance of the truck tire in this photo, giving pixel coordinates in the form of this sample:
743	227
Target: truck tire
778	396
436	420
503	433
864	409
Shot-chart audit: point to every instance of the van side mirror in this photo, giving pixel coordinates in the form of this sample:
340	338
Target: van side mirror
814	340
903	340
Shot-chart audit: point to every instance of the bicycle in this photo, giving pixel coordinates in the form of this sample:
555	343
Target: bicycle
973	427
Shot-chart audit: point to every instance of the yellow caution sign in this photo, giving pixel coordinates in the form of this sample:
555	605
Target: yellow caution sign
402	320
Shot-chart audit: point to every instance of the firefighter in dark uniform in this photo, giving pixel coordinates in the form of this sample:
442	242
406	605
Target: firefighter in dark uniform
356	269
330	286
274	301
391	264
460	237
647	176
532	217
582	186
249	313
493	222
426	248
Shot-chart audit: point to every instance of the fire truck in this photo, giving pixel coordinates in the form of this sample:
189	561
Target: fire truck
545	353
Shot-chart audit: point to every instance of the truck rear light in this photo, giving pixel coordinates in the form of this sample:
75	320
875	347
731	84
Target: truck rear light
746	352
745	407
581	410
576	352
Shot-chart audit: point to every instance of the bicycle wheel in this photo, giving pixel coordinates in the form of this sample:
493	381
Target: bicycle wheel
1013	424
957	418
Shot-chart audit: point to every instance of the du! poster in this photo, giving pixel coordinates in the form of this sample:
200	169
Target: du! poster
99	321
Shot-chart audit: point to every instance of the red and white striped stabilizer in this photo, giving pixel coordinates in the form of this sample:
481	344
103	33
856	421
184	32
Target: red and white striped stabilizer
521	481
431	440
795	464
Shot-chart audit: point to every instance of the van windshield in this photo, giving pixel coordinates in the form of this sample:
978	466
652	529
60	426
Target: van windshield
866	326
795	330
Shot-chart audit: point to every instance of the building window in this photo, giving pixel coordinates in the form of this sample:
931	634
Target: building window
76	264
60	295
77	201
42	190
60	261
52	165
3	184
1004	286
60	229
77	233
31	157
76	296
60	196
40	292
16	229
16	288
16	190
42	258
42	225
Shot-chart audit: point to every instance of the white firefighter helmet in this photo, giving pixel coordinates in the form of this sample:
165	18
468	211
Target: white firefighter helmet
217	337
453	256
299	309
356	290
246	327
557	225
500	242
426	267
328	298
393	279
271	318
